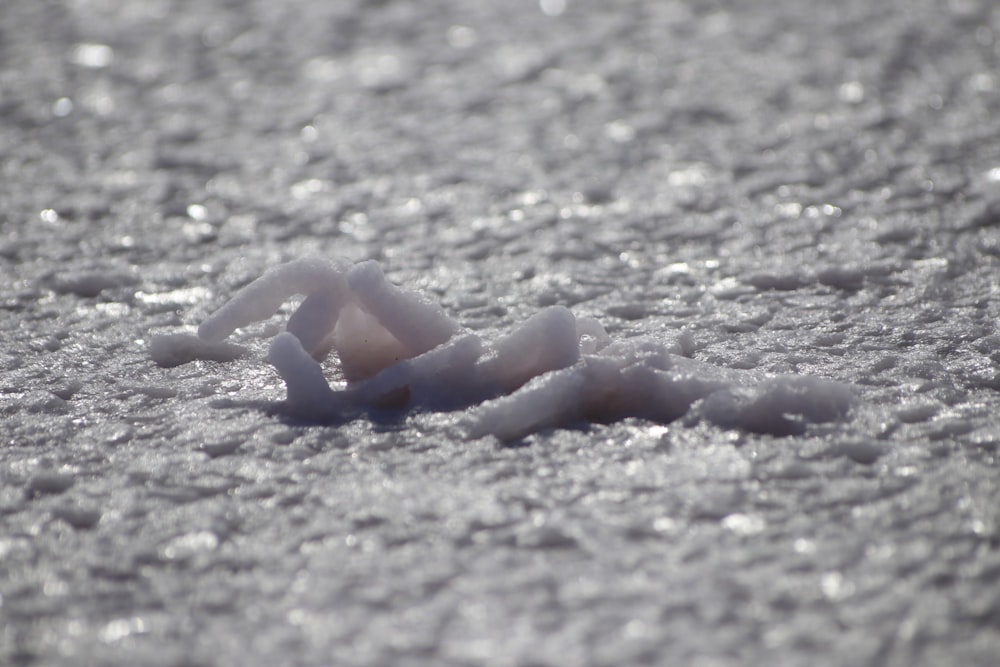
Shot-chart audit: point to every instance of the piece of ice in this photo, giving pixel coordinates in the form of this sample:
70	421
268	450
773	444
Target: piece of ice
309	395
417	324
545	402
262	298
640	379
545	342
315	319
397	350
443	378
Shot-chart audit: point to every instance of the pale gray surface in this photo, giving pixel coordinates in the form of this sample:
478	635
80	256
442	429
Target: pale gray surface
805	188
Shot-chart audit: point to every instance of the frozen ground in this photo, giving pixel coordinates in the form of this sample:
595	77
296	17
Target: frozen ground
809	189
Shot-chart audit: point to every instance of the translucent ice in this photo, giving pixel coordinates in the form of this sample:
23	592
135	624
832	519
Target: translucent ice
417	324
397	350
309	395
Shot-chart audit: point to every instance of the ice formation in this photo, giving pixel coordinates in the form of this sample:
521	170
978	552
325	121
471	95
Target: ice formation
397	350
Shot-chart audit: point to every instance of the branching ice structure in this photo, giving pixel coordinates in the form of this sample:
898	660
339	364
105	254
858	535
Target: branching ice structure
398	350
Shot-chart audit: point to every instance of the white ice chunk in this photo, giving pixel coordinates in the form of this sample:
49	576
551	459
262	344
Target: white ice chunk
397	350
546	341
314	321
641	378
418	324
262	298
548	400
309	395
443	378
642	382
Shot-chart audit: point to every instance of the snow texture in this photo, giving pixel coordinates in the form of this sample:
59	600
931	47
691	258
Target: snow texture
742	209
176	349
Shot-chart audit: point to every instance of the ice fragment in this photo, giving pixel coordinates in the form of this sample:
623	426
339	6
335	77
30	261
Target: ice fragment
262	298
398	350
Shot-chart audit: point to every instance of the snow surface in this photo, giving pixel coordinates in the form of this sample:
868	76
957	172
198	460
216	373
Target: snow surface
745	196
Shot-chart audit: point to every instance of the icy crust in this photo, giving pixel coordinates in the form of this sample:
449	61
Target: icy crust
397	350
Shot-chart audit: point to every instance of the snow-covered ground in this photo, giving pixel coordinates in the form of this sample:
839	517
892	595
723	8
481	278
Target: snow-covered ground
784	204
